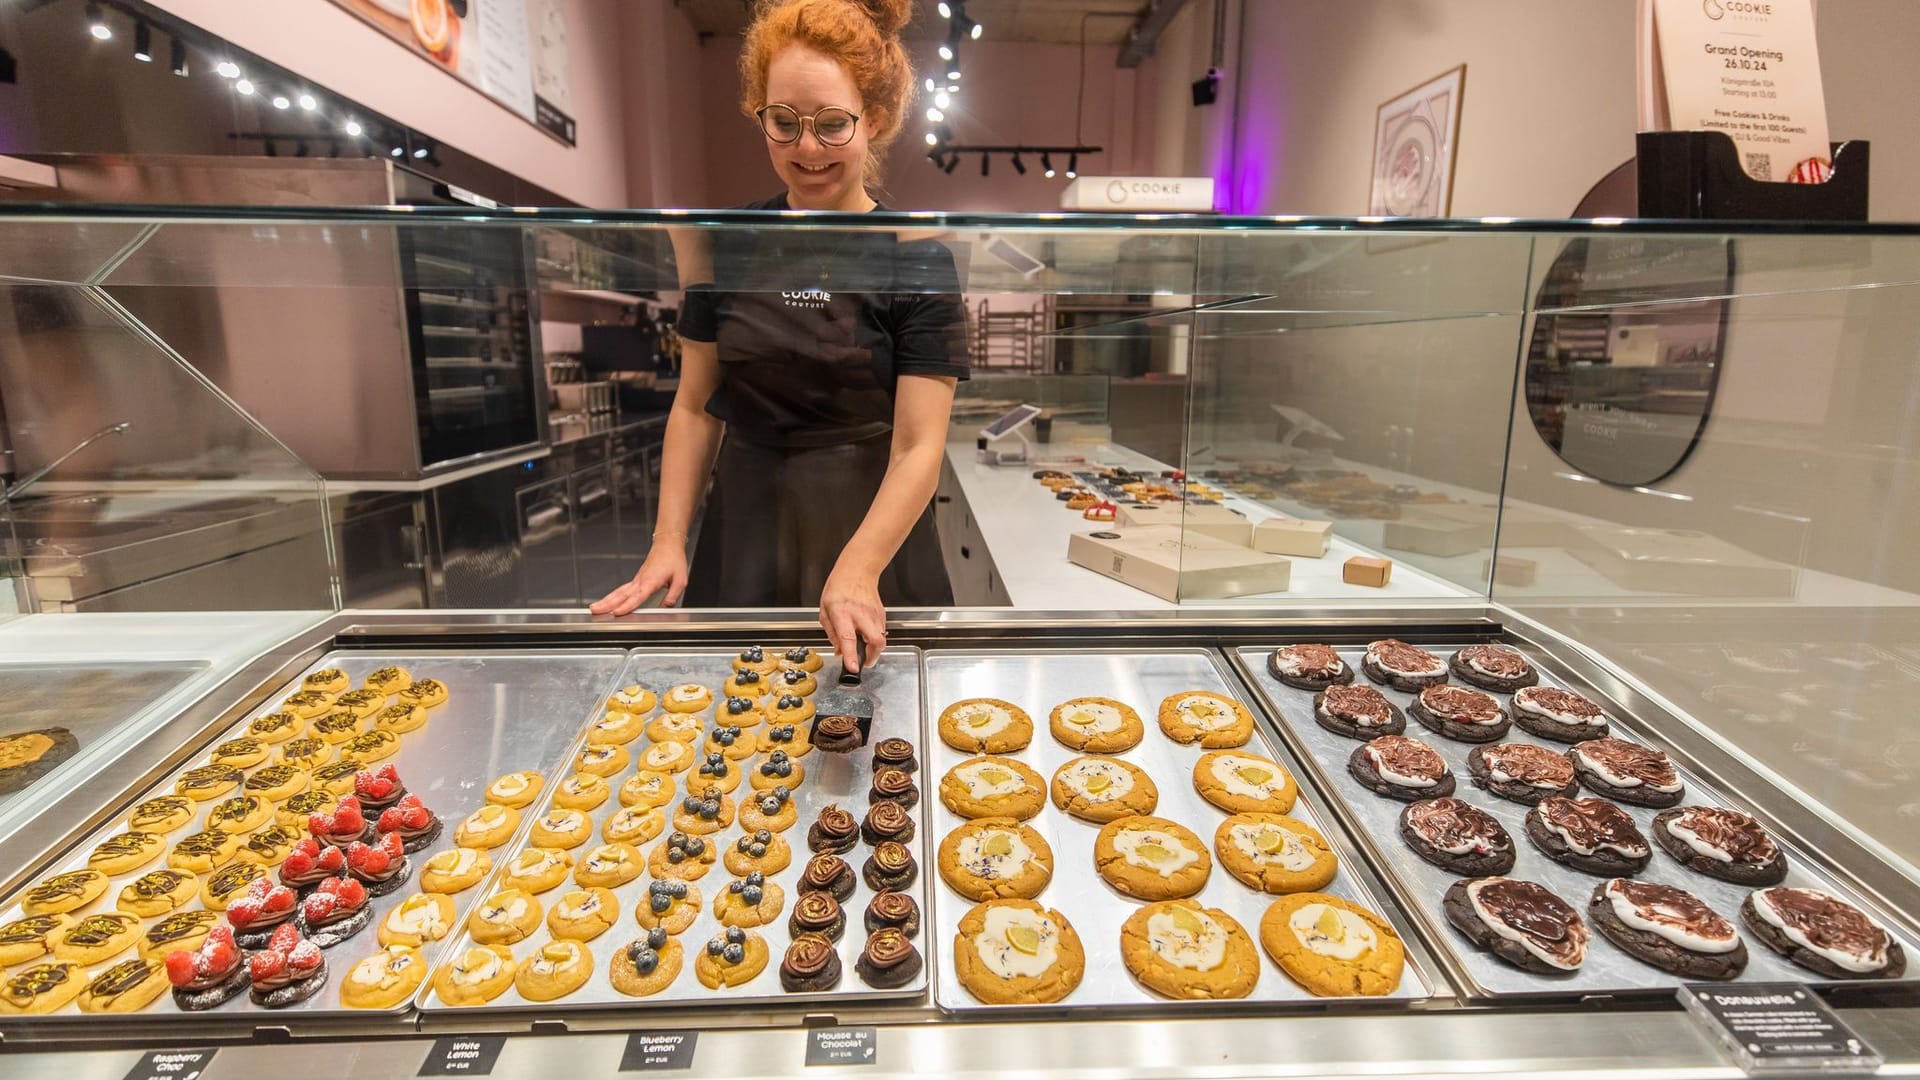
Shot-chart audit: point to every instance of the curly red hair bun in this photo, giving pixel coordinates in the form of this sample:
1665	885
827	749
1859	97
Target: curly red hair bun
863	35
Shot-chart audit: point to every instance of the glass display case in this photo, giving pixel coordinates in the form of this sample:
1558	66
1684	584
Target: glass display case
1655	470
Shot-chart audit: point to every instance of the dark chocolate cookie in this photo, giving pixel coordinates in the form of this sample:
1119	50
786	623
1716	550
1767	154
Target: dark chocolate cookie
1521	772
1492	667
1751	856
1457	837
1309	667
1392	662
1407	758
1526	908
1560	715
1682	912
1460	714
1627	772
1357	712
1592	836
1838	925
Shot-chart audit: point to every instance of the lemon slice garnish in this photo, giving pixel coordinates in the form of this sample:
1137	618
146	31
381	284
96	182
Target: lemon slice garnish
1330	926
1153	851
1270	840
1185	919
1254	774
1082	718
1099	782
476	959
557	952
1024	938
979	718
995	776
999	844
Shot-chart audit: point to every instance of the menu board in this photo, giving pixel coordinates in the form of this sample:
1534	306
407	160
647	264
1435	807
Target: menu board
514	51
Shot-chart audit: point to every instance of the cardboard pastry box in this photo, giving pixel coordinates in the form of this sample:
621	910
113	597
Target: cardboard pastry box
1293	536
1215	521
1176	565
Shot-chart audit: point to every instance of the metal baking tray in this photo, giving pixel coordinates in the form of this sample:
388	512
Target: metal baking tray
1037	681
504	712
894	684
1607	970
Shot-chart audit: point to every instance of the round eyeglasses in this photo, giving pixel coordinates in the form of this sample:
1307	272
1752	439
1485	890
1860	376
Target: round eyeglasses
833	125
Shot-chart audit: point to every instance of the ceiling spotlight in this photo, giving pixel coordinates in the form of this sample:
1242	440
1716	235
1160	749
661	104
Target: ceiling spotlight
985	161
244	86
945	9
929	84
942	99
399	151
282	101
307	103
1046	165
975	32
143	42
935	116
946	51
97	23
1073	165
421	152
1018	165
353	129
953	88
179	57
953	76
932	139
227	69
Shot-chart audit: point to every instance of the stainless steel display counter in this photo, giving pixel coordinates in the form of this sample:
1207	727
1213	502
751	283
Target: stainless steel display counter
1446	1034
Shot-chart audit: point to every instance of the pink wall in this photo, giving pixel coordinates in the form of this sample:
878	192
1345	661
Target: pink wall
325	43
1012	93
666	116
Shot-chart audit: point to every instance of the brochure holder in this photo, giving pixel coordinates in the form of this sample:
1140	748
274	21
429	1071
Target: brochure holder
1696	175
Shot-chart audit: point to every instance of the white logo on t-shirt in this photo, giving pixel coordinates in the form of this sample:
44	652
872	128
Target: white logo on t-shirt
807	298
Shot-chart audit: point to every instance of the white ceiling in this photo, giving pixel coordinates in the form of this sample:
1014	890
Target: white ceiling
1057	22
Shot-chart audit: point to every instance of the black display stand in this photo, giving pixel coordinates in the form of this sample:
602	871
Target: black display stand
1697	175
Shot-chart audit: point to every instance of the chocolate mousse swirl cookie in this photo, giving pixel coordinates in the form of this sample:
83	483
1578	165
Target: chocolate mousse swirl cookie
1392	662
1627	772
817	913
1719	843
1670	928
897	910
1823	933
1358	712
1401	768
811	964
835	831
1560	715
1492	667
1308	667
1522	772
1457	837
1521	922
1590	835
889	960
1460	714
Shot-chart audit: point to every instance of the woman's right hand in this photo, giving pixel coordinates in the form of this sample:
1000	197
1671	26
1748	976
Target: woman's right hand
665	568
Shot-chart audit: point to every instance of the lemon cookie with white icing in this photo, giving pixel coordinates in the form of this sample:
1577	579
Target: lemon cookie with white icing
1181	950
1275	853
1333	947
1239	782
1096	725
993	787
1214	721
1100	789
1151	858
986	726
995	858
1016	952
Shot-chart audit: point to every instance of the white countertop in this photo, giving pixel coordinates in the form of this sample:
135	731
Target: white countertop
1027	531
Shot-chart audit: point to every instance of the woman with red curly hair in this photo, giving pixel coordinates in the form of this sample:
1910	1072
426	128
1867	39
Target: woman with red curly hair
818	363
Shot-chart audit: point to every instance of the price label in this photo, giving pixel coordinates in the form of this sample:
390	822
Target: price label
1779	1027
171	1065
648	1051
462	1055
842	1046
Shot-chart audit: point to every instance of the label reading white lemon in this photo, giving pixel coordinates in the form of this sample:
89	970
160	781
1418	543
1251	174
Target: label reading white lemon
1151	849
1018	943
1330	931
1271	845
1187	938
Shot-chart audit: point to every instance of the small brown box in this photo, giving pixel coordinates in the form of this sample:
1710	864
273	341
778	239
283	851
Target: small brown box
1511	570
1293	536
1362	570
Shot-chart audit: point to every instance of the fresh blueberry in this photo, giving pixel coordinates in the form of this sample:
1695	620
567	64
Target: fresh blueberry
782	792
657	938
763	836
661	903
736	886
734	953
715	946
791	701
751	894
645	960
769	805
676	855
695	845
736	935
743	844
678	889
754	655
756	851
778	756
690	804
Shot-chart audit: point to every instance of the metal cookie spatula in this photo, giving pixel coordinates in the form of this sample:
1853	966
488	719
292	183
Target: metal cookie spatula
847	700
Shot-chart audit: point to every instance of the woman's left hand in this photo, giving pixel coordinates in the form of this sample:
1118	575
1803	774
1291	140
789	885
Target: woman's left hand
850	608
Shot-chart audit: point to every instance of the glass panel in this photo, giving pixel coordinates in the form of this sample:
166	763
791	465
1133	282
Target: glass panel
158	494
1764	586
1355	407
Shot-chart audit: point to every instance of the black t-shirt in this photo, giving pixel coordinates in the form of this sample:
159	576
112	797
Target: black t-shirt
805	365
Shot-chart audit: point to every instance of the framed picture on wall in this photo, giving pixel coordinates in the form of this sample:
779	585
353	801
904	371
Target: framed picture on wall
1414	135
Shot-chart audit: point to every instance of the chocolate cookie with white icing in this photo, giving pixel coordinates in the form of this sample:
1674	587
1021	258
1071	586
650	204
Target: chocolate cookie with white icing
1521	922
1457	837
1392	662
1357	712
1720	843
1823	933
1492	667
1669	928
1309	667
1560	715
1401	768
1627	772
1460	714
1590	835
